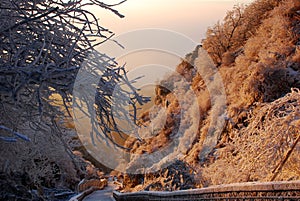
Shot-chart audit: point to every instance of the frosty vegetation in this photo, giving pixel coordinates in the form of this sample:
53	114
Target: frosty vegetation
256	51
42	46
266	150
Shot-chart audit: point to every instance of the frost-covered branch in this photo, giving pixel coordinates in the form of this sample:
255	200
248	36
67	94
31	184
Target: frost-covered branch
42	47
16	134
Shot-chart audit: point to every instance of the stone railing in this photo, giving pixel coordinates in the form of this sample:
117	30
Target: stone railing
287	191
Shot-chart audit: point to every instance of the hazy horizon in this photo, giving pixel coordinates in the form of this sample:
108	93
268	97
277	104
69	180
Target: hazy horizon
190	17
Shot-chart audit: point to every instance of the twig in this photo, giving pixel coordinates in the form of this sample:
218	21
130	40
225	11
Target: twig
17	134
30	19
283	161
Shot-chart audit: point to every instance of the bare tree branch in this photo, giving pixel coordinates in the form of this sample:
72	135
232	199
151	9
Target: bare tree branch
43	45
17	135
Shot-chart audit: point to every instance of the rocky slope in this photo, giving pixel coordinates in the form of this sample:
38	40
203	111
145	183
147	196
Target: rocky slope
253	125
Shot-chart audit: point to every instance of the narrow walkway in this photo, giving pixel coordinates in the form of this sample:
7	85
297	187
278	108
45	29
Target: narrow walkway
285	190
102	195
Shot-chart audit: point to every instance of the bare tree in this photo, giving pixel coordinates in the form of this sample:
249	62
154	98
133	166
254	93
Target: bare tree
42	45
239	24
225	36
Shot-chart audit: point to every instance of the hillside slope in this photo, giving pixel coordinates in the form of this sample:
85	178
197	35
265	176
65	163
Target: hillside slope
257	54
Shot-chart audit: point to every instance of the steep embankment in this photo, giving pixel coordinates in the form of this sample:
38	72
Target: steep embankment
260	140
256	51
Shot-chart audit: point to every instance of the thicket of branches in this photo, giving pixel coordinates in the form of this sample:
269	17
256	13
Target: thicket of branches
42	47
224	41
261	139
266	150
43	44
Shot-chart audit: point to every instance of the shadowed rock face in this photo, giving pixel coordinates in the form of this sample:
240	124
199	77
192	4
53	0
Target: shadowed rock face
178	176
161	92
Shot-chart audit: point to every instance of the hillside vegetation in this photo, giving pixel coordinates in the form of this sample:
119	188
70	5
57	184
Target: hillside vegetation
256	49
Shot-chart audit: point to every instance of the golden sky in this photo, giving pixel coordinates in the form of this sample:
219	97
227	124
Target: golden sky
188	17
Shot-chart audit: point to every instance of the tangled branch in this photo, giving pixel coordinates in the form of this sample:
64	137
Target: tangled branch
42	46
